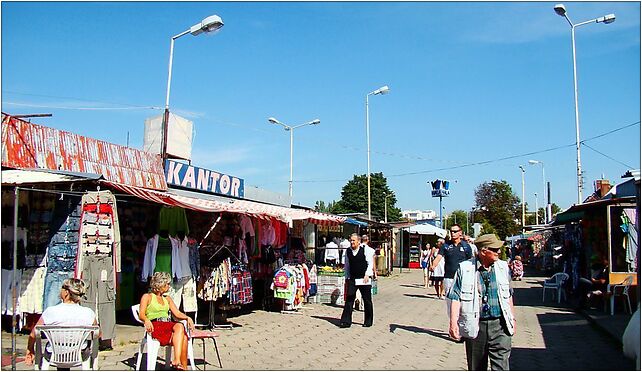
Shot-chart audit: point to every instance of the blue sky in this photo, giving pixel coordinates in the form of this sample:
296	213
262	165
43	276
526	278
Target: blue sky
470	82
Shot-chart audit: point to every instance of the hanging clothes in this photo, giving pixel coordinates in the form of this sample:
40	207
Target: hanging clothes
173	220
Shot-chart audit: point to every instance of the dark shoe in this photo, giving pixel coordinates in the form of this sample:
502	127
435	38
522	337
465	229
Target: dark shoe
345	325
367	325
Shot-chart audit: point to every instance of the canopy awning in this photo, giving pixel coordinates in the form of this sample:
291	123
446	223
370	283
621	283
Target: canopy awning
216	204
352	221
35	176
426	229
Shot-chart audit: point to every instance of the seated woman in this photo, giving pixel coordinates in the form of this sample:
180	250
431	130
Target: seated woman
155	308
67	313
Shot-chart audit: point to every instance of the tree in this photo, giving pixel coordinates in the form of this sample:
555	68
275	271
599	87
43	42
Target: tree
530	217
459	217
320	206
354	197
499	206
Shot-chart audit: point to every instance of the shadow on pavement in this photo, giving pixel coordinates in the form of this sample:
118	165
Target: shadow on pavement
417	296
160	362
533	297
432	332
333	321
412	285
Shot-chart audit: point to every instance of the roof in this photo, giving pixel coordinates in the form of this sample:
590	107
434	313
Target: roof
34	176
577	211
213	203
31	146
427	229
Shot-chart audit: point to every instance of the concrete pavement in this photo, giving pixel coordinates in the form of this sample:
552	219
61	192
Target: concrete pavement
409	333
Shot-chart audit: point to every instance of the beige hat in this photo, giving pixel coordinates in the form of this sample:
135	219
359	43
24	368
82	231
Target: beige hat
488	241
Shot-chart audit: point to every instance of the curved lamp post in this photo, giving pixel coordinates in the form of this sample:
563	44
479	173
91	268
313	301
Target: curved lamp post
291	130
560	9
383	90
212	23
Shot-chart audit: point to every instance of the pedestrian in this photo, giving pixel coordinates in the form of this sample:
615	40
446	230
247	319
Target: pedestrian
364	241
482	311
358	271
67	313
517	268
453	253
438	272
425	263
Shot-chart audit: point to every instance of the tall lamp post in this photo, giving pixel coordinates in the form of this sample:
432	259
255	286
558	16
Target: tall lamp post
560	9
383	90
209	24
536	210
385	207
535	162
523	205
291	130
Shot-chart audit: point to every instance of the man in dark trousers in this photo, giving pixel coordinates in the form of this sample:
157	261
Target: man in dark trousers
457	251
359	271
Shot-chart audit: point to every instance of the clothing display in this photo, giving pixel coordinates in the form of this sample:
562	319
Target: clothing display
292	284
214	282
183	291
32	290
173	220
98	275
240	286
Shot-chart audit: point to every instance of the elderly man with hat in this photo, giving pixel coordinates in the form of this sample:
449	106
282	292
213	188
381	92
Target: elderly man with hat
482	307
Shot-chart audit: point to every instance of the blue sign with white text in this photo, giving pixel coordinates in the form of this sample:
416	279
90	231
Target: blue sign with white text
189	176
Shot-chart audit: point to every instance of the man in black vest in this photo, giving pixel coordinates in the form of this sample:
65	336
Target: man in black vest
359	270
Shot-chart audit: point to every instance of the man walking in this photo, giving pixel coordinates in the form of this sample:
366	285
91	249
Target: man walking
457	251
358	270
482	307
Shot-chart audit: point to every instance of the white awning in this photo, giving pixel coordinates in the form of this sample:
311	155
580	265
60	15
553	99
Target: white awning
32	176
426	229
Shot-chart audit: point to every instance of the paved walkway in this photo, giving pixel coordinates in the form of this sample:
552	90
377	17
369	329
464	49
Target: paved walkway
409	333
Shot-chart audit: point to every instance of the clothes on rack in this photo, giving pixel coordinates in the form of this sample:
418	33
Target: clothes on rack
173	220
172	254
184	291
214	282
291	283
194	258
100	295
240	286
181	267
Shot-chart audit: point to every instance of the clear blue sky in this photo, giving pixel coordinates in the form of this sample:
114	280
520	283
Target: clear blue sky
470	82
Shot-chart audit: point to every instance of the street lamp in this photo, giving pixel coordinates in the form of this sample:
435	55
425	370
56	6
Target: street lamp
560	9
523	205
383	90
536	211
291	130
385	206
210	24
535	162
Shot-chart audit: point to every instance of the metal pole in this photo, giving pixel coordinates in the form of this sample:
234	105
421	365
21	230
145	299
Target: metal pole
291	153
577	123
14	277
546	216
368	145
385	208
536	211
441	219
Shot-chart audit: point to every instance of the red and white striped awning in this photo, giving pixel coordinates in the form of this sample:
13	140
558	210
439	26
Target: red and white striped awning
229	205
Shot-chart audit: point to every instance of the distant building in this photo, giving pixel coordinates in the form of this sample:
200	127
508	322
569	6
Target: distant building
420	216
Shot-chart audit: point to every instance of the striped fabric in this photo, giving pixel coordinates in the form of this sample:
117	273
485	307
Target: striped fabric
250	208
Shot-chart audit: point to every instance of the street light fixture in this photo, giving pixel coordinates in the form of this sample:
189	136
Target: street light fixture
560	9
291	130
383	90
535	162
212	23
523	196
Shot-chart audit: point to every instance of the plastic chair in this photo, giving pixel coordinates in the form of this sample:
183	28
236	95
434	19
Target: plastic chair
621	289
153	346
555	282
67	344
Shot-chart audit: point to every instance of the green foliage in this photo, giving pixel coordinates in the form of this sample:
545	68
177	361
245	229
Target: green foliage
354	197
459	217
499	207
320	206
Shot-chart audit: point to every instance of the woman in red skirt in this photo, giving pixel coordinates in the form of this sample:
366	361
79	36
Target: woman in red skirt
155	309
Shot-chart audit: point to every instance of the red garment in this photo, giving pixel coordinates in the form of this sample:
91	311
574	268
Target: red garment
162	331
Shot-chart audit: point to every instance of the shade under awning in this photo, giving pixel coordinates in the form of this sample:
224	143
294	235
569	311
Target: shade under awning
217	204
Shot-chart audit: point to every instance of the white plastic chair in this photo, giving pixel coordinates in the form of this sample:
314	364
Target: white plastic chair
621	289
67	344
555	282
153	346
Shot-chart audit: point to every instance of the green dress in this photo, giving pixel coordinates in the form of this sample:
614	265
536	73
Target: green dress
164	256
